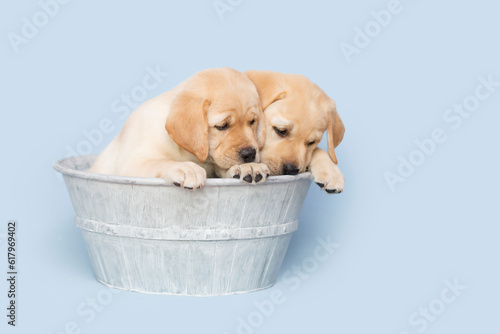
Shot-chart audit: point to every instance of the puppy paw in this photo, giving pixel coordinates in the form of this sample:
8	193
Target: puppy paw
330	180
249	173
187	175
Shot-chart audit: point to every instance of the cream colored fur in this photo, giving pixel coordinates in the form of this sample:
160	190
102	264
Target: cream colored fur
174	136
297	114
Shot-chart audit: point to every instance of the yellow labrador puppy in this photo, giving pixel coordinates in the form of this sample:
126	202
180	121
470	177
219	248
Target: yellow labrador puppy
210	125
297	114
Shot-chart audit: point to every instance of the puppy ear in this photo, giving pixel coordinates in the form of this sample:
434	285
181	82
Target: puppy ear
261	130
187	123
268	86
335	130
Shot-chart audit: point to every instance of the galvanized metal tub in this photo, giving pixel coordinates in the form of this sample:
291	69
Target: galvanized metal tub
145	235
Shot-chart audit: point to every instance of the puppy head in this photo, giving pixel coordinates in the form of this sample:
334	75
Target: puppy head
297	114
216	116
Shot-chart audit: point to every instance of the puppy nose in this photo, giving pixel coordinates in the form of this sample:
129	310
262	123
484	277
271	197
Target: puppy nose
248	154
289	169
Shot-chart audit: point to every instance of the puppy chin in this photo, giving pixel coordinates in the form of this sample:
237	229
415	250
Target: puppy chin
225	162
275	167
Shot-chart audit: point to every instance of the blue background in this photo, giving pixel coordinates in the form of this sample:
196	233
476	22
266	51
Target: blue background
396	248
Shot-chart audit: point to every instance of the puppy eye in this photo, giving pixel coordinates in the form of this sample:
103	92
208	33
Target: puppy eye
280	132
222	127
252	122
311	143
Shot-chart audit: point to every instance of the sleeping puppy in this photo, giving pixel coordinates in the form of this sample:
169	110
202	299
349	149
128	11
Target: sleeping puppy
210	125
297	114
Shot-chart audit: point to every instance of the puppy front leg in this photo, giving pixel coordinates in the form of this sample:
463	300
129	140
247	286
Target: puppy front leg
326	173
249	172
185	174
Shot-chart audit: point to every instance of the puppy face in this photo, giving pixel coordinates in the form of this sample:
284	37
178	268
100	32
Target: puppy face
297	114
216	116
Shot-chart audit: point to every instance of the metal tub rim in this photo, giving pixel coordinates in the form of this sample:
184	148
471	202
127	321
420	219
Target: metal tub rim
66	167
